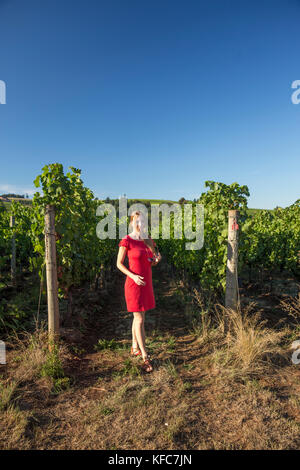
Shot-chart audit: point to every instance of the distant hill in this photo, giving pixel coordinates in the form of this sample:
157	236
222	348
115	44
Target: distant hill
6	200
147	202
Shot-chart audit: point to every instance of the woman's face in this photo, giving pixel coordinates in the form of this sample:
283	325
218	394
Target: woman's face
139	223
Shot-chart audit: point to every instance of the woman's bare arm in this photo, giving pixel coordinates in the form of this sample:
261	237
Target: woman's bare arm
120	259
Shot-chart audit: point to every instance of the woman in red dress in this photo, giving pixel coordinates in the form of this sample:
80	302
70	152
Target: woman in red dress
138	287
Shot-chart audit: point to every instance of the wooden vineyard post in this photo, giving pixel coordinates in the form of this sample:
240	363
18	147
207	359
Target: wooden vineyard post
13	252
51	275
231	295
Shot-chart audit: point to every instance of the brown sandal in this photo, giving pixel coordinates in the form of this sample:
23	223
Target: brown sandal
147	364
134	352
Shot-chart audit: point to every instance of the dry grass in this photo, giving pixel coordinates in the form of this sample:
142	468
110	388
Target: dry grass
292	308
137	414
13	425
7	394
32	351
248	346
224	380
29	375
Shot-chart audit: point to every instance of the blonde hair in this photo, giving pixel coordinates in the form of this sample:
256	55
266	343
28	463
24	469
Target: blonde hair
132	216
147	241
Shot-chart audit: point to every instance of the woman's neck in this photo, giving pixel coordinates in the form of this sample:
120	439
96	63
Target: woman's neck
136	235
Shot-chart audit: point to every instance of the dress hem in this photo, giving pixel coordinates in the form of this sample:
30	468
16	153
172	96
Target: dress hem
141	309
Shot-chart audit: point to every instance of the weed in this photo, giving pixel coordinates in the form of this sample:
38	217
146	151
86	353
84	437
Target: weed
170	368
130	369
185	387
188	366
104	410
171	343
111	345
52	366
60	384
7	393
76	350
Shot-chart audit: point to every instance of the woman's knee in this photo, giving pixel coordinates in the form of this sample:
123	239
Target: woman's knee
138	322
138	318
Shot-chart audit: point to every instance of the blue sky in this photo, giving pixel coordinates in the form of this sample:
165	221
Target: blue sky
152	99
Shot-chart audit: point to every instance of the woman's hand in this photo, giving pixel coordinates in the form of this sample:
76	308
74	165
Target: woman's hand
156	260
138	280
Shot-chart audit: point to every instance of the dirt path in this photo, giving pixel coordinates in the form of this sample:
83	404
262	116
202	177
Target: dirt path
114	323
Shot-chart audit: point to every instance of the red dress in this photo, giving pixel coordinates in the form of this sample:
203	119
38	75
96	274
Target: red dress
138	298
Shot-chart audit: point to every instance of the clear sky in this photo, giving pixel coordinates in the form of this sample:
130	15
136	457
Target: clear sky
152	98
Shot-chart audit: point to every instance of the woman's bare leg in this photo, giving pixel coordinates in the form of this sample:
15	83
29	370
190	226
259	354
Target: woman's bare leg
139	331
143	328
134	340
139	320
